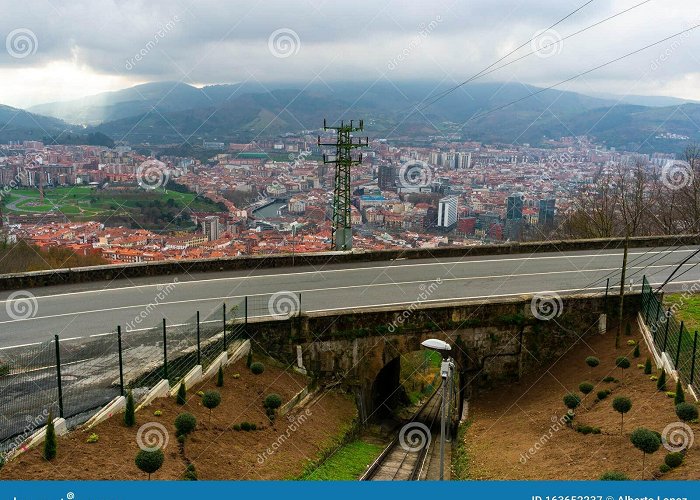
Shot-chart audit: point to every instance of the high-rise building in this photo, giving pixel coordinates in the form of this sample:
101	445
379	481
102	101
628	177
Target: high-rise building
514	206
211	227
546	211
447	212
386	177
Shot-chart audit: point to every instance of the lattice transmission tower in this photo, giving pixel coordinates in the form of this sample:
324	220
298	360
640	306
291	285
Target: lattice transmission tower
342	229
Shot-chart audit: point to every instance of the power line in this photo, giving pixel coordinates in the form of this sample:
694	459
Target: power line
488	70
629	54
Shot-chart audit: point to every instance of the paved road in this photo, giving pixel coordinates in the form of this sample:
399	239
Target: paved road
96	308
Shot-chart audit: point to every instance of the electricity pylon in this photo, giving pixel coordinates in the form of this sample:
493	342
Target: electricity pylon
342	231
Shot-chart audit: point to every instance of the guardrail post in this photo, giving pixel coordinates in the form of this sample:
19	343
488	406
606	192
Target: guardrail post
199	346
165	351
224	314
668	320
678	350
58	377
121	360
692	365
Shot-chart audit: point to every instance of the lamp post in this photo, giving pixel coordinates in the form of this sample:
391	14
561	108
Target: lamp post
445	372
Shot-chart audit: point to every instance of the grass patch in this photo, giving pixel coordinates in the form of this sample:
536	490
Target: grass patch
689	310
460	456
347	464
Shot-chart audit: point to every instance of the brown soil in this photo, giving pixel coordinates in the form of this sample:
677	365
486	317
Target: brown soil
508	422
218	451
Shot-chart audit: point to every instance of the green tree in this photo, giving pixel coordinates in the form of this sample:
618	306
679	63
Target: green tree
149	461
680	395
592	362
635	353
220	377
622	363
211	400
687	412
130	411
647	367
182	394
646	441
571	401
661	383
50	442
622	405
249	358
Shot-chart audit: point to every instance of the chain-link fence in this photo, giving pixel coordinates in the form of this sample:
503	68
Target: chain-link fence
73	377
670	336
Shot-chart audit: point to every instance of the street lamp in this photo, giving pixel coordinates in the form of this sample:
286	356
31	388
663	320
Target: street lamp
446	368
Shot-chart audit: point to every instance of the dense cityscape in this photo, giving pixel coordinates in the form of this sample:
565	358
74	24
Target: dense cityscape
274	196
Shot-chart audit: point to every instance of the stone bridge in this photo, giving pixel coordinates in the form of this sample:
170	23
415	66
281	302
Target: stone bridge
492	341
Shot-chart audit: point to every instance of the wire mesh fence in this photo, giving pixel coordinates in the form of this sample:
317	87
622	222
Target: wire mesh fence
670	335
72	377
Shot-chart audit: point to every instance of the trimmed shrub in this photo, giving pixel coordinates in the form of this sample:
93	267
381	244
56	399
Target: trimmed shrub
182	394
219	378
50	443
687	412
663	468
640	365
631	342
622	405
635	353
612	475
236	375
622	363
674	459
253	427
249	359
246	426
671	394
592	361
93	438
185	423
661	382
272	401
130	411
211	400
571	401
236	427
646	441
190	473
602	394
609	378
587	429
647	367
680	395
585	387
157	413
257	368
149	461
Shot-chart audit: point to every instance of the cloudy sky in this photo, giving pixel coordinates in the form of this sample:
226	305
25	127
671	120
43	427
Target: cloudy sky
65	49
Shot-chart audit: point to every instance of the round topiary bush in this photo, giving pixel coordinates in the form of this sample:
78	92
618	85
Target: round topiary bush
674	459
663	468
585	387
622	405
571	401
687	412
149	461
272	401
602	394
646	441
592	361
257	368
185	424
612	475
211	400
245	426
622	362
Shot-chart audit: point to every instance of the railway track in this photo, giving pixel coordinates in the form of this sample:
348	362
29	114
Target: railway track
405	457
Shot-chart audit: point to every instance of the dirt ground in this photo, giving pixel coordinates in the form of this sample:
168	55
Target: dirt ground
216	450
515	434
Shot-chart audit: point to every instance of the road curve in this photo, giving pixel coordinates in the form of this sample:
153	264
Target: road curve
85	309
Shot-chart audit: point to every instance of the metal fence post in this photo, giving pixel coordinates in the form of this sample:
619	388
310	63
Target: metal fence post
678	351
224	315
199	346
607	287
165	351
121	360
656	318
245	306
299	304
692	365
668	320
58	377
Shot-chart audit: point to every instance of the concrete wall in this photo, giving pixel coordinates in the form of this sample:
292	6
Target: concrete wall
492	341
102	273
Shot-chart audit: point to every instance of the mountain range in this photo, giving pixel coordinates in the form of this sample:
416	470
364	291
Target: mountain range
177	113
